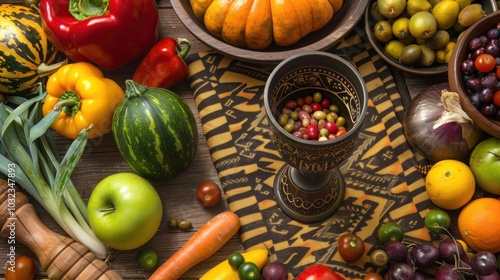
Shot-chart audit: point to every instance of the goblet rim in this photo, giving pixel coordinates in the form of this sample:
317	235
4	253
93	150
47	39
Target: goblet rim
364	105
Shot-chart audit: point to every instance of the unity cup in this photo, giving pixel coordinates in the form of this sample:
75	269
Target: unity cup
310	187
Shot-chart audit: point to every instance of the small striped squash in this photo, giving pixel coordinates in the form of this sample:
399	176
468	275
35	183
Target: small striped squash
155	131
26	56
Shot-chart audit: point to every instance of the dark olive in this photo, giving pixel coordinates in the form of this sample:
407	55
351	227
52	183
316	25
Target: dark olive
184	225
172	222
411	54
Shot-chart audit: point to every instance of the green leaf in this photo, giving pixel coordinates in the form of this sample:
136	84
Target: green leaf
69	162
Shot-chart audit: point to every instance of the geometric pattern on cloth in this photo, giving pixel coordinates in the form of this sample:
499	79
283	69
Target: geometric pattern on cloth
382	181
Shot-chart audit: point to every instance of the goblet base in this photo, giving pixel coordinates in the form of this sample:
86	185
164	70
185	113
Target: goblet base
306	199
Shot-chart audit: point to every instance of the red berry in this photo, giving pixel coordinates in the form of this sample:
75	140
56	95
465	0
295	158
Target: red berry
332	127
312	131
325	103
316	107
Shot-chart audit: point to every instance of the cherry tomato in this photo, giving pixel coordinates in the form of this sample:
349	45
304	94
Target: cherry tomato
496	97
147	258
437	220
318	272
208	193
390	231
23	268
249	271
373	276
484	62
379	258
351	247
235	260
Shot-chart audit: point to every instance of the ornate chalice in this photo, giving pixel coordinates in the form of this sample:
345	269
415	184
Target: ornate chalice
310	187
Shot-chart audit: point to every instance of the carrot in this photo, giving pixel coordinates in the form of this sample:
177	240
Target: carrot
204	243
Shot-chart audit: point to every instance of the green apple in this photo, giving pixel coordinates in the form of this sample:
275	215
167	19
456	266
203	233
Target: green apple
125	211
484	163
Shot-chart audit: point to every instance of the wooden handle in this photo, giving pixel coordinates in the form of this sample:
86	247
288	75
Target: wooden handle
60	256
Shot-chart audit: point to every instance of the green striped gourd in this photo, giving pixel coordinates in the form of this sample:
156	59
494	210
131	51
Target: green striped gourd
155	131
26	55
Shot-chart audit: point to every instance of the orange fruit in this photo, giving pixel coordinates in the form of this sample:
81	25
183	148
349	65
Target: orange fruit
450	184
479	225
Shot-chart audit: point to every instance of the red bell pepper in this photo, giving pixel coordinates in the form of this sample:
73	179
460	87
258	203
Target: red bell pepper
318	272
108	33
164	65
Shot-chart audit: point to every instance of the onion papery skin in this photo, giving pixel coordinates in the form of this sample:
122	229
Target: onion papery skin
444	142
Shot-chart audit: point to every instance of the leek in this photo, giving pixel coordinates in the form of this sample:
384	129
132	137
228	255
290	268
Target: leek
27	142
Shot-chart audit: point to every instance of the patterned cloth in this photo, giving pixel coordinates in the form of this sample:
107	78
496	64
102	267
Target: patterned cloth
382	181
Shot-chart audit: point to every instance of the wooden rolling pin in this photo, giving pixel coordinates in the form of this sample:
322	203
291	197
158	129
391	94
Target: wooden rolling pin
60	256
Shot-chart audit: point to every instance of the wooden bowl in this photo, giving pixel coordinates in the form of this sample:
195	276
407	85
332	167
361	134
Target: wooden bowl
455	74
489	6
342	22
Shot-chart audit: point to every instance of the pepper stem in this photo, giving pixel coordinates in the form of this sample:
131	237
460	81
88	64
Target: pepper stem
84	9
69	103
183	47
44	69
134	89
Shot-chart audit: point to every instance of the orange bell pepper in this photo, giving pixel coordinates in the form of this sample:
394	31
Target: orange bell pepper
85	97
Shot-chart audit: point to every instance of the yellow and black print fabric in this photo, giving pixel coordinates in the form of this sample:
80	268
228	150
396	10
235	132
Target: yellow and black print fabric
383	183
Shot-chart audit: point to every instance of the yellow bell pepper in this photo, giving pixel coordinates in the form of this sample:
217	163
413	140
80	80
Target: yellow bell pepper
224	271
85	97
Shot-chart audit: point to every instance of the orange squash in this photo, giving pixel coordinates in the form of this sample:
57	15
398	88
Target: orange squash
255	24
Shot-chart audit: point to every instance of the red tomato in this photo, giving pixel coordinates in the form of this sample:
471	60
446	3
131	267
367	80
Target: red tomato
373	276
23	269
318	272
351	247
484	62
208	193
496	97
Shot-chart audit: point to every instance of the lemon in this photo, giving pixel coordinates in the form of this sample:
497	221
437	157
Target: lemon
450	184
394	48
415	6
446	14
441	56
400	27
449	47
464	3
383	31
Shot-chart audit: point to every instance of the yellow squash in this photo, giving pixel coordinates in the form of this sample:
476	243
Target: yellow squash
223	271
255	24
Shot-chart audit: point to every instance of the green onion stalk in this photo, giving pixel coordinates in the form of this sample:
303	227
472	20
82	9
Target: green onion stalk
26	141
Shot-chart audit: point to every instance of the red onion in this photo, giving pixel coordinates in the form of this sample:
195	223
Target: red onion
436	126
274	271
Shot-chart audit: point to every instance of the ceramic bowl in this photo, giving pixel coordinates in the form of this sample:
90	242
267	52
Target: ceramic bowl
341	23
455	75
489	6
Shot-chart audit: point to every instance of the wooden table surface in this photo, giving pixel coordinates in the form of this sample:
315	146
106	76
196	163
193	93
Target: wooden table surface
102	159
